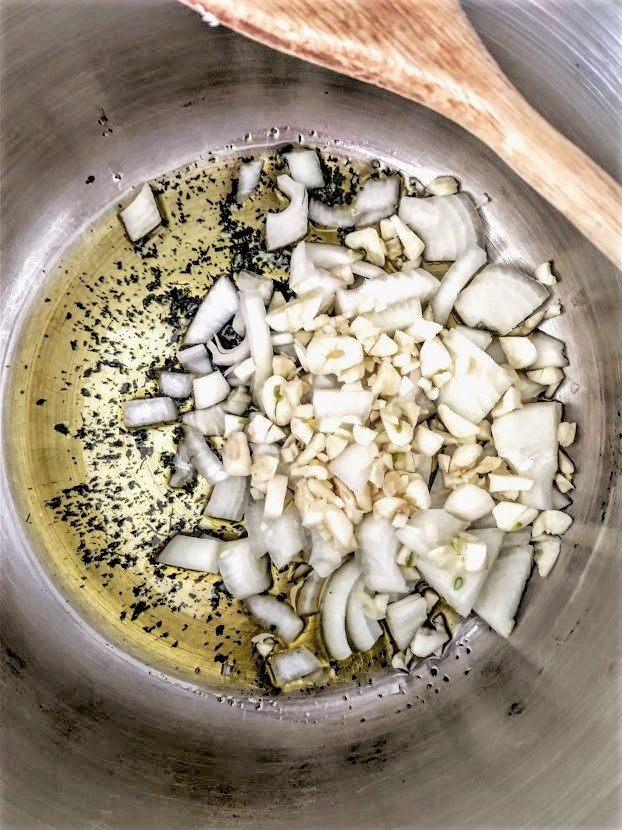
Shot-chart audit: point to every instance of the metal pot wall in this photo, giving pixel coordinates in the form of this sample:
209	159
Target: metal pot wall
498	733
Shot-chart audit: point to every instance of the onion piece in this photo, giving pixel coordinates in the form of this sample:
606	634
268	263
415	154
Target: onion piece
227	499
253	518
477	383
290	224
501	593
429	529
376	200
458	586
191	553
324	557
140	215
183	471
482	339
404	618
550	351
195	359
210	421
527	439
457	276
248	178
210	390
205	461
284	537
237	402
378	548
362	632
387	290
333	609
353	466
145	412
499	298
398	316
546	553
258	334
276	493
304	167
242	572
308	601
293	664
229	357
249	281
338	216
175	384
220	304
278	616
448	225
469	502
338	403
428	640
327	255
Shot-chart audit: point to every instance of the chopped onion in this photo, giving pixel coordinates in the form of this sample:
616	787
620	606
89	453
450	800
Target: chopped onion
242	572
327	255
210	390
362	632
290	224
229	357
499	298
220	304
338	216
209	421
469	502
275	497
376	200
338	403
304	167
148	411
430	529
192	553
324	557
175	384
549	351
248	178
378	550
353	466
527	439
479	337
501	593
308	601
387	290
184	470
448	225
457	276
258	334
333	610
293	664
205	461
227	499
278	616
141	214
284	537
398	316
428	640
546	552
195	359
405	617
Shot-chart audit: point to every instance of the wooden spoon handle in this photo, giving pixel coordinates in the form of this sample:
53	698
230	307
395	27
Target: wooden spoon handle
427	51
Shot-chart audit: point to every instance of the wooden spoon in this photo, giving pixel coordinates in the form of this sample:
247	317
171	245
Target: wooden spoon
427	51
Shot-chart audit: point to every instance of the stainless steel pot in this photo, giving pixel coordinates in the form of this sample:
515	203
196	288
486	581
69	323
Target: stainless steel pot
518	733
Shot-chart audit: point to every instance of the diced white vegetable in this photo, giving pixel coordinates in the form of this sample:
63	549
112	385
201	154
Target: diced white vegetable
457	276
429	529
149	411
443	186
248	178
427	640
426	441
499	298
552	522
278	616
183	471
304	167
398	316
550	351
469	502
353	466
477	383
293	664
324	557
448	225
520	352
141	214
333	609
275	497
284	536
376	200
413	246
544	274
210	389
308	601
242	572
227	499
331	355
434	357
527	439
546	552
479	337
456	424
175	384
405	617
209	421
205	461
378	550
220	304
566	433
327	255
195	554
290	224
195	359
258	334
338	403
339	216
500	596
229	357
387	290
362	632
